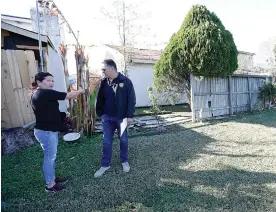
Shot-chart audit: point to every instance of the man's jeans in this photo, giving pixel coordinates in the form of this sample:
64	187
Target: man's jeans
110	124
49	142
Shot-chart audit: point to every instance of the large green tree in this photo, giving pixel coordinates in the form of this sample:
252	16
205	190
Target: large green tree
202	46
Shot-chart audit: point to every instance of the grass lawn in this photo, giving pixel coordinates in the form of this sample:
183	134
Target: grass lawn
214	166
169	108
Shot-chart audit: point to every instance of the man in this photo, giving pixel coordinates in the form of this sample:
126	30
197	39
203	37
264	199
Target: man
115	105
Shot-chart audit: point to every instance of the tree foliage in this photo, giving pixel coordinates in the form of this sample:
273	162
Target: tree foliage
268	92
202	46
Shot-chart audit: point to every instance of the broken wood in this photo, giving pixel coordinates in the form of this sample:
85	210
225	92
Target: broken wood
29	47
150	122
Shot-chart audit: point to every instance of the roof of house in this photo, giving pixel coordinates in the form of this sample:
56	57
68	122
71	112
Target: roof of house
139	55
247	53
16	18
148	55
25	32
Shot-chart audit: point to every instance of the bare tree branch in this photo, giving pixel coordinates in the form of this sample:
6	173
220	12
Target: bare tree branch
126	18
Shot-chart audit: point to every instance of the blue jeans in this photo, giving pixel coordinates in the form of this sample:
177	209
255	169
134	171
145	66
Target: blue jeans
49	142
110	124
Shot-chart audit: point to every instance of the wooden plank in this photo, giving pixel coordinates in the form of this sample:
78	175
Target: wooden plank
15	74
8	91
47	62
249	94
32	68
250	75
213	109
230	95
4	33
23	106
5	117
192	97
27	103
241	106
27	100
23	68
223	93
6	77
14	69
3	98
29	47
20	110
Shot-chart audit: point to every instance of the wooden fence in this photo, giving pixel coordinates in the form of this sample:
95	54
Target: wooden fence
18	69
211	96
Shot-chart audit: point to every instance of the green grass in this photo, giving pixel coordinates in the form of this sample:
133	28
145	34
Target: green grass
164	109
214	166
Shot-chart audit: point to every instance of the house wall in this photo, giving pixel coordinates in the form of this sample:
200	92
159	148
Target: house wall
48	24
141	76
57	70
245	61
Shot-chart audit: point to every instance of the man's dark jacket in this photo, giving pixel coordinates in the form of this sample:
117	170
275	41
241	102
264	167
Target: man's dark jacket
125	98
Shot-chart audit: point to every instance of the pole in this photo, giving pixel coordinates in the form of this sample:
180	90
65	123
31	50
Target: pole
39	38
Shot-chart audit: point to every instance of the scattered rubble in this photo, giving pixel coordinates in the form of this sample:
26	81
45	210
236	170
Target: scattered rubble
146	122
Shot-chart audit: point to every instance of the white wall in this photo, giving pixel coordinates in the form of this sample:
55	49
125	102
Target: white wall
245	61
49	25
56	69
141	76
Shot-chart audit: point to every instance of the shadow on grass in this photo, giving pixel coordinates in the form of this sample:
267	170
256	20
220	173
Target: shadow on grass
219	190
156	181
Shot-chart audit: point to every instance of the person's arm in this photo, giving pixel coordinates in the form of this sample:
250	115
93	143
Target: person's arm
131	102
74	94
56	95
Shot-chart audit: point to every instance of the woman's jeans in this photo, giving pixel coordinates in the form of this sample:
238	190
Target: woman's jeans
49	142
110	124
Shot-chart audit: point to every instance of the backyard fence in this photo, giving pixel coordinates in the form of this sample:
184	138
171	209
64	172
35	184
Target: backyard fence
18	69
213	96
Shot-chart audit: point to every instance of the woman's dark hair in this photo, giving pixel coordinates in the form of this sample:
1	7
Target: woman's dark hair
39	77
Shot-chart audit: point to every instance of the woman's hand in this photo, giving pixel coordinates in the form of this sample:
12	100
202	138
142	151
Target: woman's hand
75	94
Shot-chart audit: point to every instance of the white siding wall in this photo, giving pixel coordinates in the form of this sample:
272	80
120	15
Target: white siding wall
141	76
245	61
56	69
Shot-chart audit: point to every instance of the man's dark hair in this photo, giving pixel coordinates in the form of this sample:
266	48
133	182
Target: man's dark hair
111	63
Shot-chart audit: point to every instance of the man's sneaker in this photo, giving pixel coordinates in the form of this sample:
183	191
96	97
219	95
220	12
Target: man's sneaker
54	189
126	167
101	171
61	180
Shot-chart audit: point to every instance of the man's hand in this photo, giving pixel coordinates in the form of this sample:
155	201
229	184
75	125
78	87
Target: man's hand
129	121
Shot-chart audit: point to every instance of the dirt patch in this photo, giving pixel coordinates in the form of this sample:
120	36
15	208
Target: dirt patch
15	139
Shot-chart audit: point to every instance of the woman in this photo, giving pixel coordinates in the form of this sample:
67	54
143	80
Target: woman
48	123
